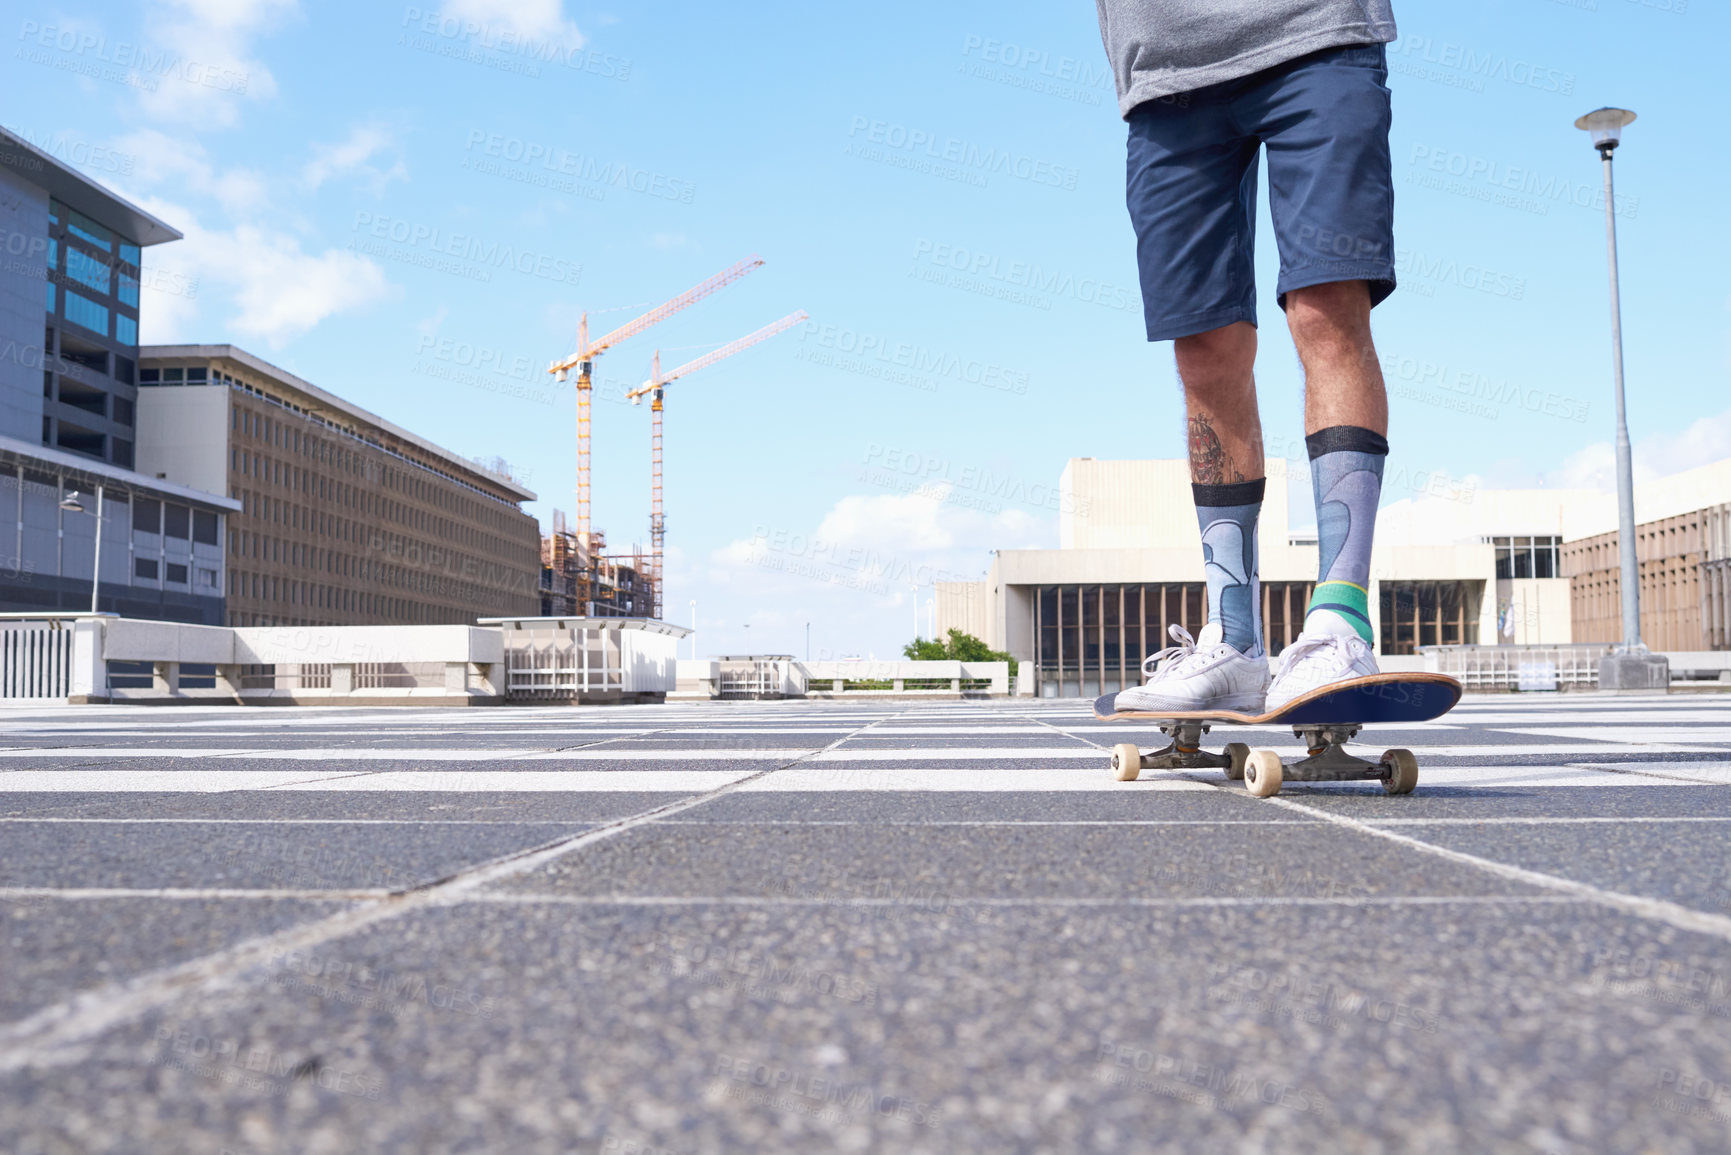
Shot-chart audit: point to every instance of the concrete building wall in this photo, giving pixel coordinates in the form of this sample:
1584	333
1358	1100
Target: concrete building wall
344	521
965	606
183	436
1678	581
23	289
161	552
1113	505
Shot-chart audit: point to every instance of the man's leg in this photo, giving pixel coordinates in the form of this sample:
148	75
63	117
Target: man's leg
1345	424
1191	192
1226	472
1325	121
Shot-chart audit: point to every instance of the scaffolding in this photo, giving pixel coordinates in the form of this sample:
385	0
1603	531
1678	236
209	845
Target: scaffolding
578	583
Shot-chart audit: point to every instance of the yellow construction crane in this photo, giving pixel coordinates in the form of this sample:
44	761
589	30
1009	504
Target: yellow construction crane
654	388
583	360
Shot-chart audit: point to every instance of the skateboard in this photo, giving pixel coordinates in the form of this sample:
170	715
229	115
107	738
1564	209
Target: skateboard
1326	719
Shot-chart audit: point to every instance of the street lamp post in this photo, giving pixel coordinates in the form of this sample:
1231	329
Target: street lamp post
694	629
1631	666
71	504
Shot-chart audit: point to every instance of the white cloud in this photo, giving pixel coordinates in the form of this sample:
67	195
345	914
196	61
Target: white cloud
278	291
158	157
530	19
429	326
851	575
1707	440
1594	466
282	292
352	157
208	66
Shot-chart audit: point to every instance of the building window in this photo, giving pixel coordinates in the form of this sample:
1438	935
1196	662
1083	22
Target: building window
177	522
1424	613
129	253
85	441
145	568
147	516
51	298
149	376
125	329
176	574
87	270
123	411
80	310
1527	557
204	526
206	578
128	290
93	401
122	452
86	229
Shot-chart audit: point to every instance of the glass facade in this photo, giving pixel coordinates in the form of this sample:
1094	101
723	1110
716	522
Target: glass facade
84	312
88	230
1091	639
91	338
88	270
1425	613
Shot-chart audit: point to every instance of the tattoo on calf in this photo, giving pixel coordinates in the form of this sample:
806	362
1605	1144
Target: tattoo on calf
1208	461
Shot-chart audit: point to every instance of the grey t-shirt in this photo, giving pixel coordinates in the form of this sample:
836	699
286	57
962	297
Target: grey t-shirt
1158	47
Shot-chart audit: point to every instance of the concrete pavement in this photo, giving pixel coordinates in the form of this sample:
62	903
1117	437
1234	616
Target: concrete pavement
815	926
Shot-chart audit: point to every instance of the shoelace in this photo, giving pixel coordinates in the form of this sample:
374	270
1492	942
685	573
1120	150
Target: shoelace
1308	644
1185	648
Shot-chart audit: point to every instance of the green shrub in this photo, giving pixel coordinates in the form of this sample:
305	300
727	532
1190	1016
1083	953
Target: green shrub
960	648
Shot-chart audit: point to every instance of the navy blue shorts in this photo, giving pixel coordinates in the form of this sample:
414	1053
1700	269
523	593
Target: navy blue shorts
1192	187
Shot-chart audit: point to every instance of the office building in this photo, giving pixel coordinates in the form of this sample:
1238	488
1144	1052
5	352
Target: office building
343	518
1453	564
71	269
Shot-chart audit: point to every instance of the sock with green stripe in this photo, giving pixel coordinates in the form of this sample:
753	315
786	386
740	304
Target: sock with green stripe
1346	476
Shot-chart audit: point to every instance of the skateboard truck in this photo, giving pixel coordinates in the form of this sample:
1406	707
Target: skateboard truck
1262	770
1328	761
1183	752
1325	719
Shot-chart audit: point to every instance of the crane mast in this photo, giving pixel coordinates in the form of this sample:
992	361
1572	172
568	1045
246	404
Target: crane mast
583	360
655	389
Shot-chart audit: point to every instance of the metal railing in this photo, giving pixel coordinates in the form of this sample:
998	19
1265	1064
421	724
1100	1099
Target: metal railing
35	659
1519	667
562	670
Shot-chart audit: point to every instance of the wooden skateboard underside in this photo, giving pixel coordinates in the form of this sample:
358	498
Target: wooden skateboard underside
1379	698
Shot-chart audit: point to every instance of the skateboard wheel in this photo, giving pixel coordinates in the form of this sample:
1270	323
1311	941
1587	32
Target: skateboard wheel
1399	771
1262	773
1239	753
1126	761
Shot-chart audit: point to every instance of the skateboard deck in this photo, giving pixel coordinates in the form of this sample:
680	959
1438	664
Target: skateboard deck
1377	698
1326	718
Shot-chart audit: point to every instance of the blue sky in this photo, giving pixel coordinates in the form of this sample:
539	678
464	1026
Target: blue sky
409	207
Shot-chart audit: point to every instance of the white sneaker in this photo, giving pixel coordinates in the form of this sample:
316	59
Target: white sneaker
1329	650
1204	674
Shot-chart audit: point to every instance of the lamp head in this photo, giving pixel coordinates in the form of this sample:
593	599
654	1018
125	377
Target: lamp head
71	504
1606	125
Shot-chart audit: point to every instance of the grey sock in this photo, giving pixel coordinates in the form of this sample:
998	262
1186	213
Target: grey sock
1227	515
1346	476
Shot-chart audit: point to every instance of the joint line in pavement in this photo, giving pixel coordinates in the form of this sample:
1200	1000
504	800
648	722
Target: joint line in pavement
1655	909
50	1037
